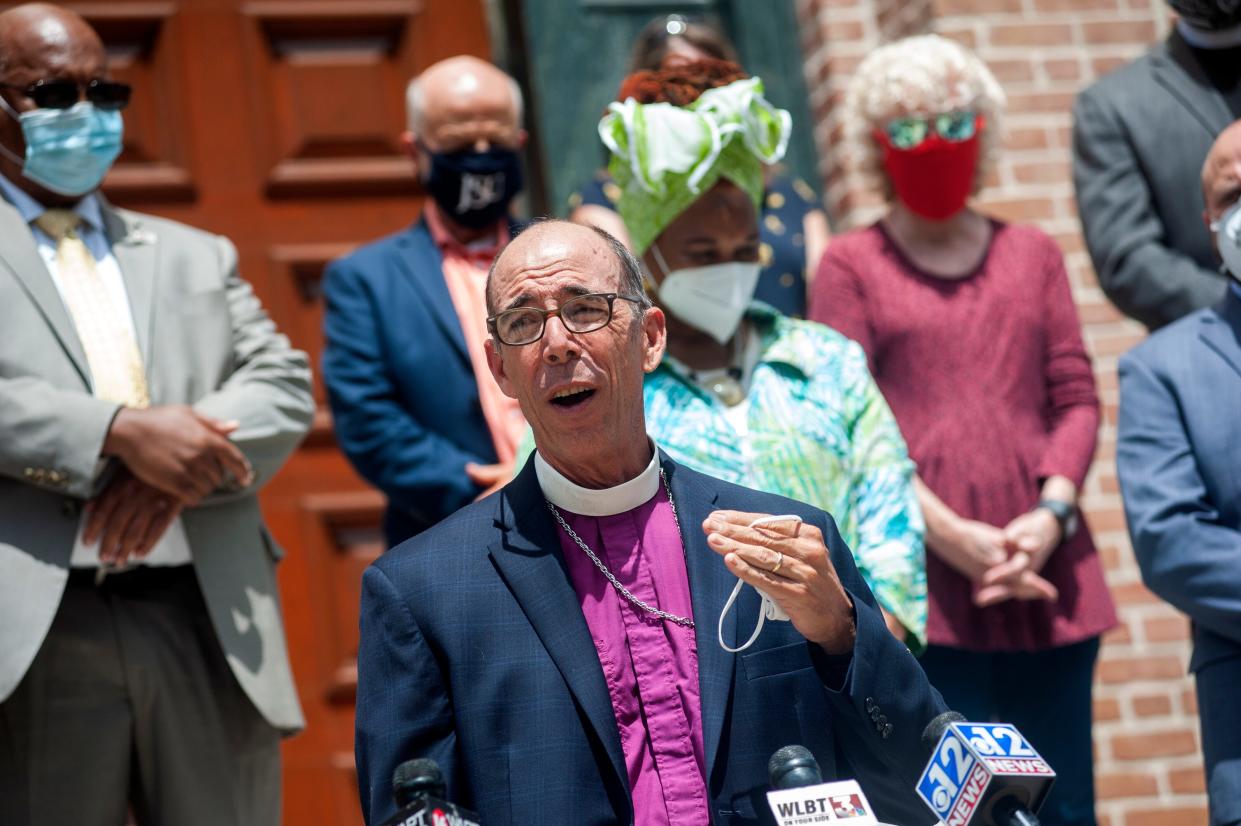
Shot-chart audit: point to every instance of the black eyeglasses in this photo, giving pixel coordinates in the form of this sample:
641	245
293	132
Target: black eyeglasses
61	94
583	314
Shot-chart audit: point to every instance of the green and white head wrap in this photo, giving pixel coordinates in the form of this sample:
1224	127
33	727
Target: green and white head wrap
664	157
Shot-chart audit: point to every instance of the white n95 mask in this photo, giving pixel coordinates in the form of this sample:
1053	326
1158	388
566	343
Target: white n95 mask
769	609
712	299
1227	229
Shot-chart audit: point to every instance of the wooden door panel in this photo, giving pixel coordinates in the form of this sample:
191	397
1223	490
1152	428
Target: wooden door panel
143	51
332	105
296	284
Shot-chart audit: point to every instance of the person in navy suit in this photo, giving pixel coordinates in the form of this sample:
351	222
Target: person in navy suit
413	403
1178	453
563	649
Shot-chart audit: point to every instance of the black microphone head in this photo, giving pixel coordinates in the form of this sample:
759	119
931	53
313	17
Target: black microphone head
936	728
793	767
417	777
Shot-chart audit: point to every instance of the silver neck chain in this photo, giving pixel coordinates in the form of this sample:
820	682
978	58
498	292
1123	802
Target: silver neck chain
621	589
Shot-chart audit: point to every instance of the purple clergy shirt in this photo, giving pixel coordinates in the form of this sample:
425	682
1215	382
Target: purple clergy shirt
651	665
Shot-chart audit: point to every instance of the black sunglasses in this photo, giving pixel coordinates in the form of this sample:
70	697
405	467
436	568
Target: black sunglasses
61	94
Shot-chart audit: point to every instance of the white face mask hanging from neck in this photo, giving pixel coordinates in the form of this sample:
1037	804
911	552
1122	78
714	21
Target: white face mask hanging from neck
711	299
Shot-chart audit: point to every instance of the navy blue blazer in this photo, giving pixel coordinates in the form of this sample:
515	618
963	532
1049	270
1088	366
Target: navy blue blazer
403	394
474	652
1179	458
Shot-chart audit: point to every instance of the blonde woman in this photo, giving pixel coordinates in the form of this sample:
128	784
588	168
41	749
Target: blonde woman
973	338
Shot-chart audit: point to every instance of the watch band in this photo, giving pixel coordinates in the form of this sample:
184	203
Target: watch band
1065	513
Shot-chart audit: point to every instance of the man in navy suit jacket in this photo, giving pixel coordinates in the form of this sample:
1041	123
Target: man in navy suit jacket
400	367
477	648
1179	457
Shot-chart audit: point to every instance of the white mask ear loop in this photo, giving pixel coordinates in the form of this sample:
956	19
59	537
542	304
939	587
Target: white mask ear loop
768	610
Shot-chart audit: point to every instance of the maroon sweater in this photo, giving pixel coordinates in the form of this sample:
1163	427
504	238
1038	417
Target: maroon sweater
992	387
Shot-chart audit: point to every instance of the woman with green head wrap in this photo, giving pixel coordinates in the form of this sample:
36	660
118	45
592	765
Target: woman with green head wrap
744	393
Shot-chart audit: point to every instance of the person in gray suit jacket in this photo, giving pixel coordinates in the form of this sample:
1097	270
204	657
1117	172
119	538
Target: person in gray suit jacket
144	397
1178	454
1140	135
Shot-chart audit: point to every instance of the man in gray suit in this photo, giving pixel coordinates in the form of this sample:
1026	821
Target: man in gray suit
1140	135
144	397
1178	453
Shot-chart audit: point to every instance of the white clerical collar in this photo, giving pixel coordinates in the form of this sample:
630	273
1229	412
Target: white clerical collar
1207	39
572	497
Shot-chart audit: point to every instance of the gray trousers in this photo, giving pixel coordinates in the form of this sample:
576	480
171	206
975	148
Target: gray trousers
130	705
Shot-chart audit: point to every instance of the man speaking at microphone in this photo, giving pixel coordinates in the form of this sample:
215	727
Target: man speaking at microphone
554	646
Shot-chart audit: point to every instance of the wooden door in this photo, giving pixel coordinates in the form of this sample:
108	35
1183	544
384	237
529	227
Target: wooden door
275	123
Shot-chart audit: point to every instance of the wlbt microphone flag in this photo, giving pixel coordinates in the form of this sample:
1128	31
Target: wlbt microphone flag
799	797
418	787
982	774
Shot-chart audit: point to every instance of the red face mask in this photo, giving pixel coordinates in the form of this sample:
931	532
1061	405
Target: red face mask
934	179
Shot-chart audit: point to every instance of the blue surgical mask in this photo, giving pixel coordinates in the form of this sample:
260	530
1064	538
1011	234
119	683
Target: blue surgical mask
68	151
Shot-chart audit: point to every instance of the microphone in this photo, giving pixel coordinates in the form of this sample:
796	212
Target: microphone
793	767
799	797
982	774
419	790
415	777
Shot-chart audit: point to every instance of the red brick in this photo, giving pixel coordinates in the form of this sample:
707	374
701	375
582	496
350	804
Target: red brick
965	37
1031	34
1111	557
1106	708
1020	209
1188	781
1171	816
1115	785
1132	669
1118	636
1152	705
1189	701
1011	71
1074	5
945	8
1042	172
1170	743
1017	140
1116	345
1063	69
1109	519
1133	593
1105	65
1099	312
1041	102
1070	241
838	30
1166	629
1119	31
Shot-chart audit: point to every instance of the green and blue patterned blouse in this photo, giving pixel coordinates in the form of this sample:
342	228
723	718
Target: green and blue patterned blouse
819	432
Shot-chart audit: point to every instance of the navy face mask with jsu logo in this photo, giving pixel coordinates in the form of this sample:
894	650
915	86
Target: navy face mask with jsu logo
475	188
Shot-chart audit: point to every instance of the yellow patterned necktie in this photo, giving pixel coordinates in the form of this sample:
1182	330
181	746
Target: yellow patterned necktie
111	352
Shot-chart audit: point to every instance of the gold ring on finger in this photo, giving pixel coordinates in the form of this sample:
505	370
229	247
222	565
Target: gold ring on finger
779	562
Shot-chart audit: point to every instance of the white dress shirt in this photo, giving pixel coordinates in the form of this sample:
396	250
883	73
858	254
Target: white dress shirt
172	548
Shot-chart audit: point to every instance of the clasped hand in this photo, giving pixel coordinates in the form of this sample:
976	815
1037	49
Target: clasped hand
790	562
173	458
1005	563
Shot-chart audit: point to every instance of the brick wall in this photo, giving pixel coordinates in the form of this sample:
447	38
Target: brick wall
1148	763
